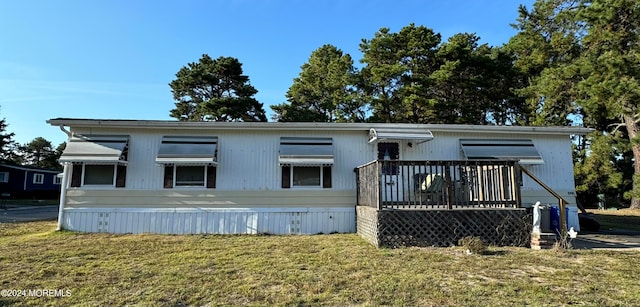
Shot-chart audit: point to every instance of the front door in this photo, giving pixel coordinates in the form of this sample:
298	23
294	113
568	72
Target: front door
392	181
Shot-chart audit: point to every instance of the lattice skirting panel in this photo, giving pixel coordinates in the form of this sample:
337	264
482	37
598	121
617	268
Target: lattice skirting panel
395	228
367	224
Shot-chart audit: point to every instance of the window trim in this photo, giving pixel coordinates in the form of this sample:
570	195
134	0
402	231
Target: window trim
6	177
37	176
57	180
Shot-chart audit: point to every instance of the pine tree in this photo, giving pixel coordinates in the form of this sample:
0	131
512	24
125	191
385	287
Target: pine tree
215	90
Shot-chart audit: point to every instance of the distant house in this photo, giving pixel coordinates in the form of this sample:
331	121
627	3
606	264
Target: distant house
23	181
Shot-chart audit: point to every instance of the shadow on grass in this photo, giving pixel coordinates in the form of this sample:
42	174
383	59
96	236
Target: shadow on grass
608	242
496	253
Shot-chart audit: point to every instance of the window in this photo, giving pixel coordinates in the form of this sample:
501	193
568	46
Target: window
4	176
189	176
189	161
306	162
98	175
306	176
386	152
98	160
38	178
57	180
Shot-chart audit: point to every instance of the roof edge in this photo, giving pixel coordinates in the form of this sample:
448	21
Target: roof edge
174	124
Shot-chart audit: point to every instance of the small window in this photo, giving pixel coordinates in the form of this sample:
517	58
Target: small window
306	176
189	176
57	180
99	174
38	178
387	152
4	176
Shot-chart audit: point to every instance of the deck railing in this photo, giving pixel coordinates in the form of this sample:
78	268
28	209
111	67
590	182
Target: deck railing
400	184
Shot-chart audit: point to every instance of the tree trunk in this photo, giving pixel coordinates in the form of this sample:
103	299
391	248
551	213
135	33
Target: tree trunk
633	130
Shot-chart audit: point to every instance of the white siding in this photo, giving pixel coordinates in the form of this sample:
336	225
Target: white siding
249	179
557	170
280	221
174	198
530	197
247	160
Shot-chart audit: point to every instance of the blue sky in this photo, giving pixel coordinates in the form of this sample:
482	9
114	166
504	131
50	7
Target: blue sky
114	59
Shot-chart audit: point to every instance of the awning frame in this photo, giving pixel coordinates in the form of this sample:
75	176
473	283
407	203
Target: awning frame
418	135
306	151
523	150
188	151
96	149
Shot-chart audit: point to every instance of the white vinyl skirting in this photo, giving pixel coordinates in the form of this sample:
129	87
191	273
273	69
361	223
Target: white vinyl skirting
281	221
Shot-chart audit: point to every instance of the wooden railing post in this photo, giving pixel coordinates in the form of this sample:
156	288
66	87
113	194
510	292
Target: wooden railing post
379	188
448	185
518	183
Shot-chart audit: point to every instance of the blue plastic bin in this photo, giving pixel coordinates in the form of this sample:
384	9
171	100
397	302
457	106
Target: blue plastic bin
554	215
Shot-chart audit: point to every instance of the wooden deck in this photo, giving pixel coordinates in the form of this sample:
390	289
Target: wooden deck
439	184
436	203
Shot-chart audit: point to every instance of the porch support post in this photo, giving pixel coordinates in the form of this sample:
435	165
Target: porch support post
563	219
63	194
379	184
518	183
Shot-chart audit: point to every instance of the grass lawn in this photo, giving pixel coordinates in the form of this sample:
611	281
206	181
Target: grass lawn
618	219
167	270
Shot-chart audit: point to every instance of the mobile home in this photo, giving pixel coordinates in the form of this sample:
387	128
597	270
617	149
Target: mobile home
151	176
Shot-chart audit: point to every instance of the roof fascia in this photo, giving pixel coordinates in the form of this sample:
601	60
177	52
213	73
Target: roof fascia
170	124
